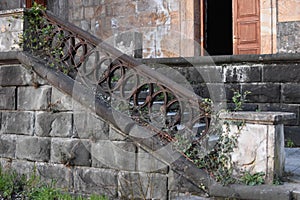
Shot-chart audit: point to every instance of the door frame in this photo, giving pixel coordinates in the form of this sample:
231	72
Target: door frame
234	27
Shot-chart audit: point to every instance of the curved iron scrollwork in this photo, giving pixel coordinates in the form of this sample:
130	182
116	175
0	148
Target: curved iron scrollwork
148	97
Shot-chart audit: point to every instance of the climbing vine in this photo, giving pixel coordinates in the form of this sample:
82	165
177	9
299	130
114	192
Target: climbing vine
41	38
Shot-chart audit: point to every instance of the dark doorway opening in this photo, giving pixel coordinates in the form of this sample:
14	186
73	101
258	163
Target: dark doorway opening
218	27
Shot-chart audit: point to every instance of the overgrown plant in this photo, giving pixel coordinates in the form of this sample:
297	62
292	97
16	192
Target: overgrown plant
253	179
217	159
239	99
40	37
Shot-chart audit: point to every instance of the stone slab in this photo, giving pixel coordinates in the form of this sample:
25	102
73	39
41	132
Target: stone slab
54	124
7	98
20	123
31	98
71	152
33	148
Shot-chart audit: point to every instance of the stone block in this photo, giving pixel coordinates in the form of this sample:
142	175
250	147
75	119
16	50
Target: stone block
33	148
31	98
146	162
281	73
14	75
60	174
20	123
23	167
265	153
205	74
291	93
283	108
114	135
7	98
71	152
53	124
178	183
95	181
262	93
117	155
242	73
142	185
89	126
60	101
7	146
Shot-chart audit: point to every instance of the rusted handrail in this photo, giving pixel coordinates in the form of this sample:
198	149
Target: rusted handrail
131	86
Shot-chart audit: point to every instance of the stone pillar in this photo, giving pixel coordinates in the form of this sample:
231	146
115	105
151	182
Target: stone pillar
260	142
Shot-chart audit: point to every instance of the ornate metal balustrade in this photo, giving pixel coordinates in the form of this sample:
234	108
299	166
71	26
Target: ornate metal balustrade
129	86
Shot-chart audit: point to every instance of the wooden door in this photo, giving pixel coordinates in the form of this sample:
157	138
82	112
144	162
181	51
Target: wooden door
246	26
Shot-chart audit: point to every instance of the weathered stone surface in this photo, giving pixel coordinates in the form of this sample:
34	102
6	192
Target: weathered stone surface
95	181
62	175
71	152
283	108
53	124
261	93
7	4
5	163
178	183
24	167
117	155
14	75
186	196
242	73
30	98
205	74
33	148
17	123
288	41
146	162
88	126
60	101
264	154
278	73
142	186
7	98
114	135
291	93
7	146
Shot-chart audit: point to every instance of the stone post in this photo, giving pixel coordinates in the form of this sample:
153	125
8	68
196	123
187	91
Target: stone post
260	142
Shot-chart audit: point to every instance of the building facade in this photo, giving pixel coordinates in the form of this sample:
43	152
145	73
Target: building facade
172	28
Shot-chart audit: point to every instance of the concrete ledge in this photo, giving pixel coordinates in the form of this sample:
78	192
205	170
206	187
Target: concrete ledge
259	117
201	60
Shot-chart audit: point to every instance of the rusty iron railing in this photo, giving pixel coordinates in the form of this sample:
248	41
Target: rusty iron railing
130	87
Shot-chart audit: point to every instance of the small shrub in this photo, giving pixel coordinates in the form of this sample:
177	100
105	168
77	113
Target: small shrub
253	179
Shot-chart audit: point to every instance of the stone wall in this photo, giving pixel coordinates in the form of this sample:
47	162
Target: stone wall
288	41
167	26
11	27
42	129
272	80
9	4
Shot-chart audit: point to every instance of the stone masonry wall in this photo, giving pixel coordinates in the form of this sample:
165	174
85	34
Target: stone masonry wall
42	129
11	26
288	37
274	84
167	25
